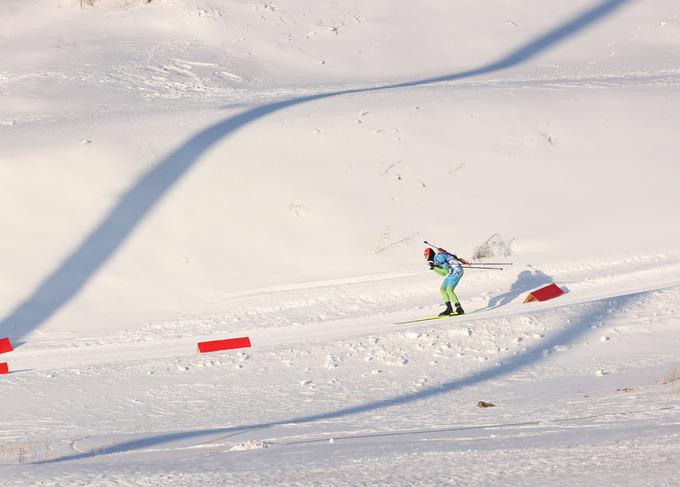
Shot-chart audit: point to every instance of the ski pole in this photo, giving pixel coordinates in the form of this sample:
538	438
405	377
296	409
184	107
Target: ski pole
484	268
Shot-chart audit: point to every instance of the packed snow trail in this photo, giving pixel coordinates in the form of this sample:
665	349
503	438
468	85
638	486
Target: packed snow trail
45	353
578	327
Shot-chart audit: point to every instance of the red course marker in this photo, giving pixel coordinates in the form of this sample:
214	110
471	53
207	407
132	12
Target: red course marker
4	368
228	344
5	345
545	293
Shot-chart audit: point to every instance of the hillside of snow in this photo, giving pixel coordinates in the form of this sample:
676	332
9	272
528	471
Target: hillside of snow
176	171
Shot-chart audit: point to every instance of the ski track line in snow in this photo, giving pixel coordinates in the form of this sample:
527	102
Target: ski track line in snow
267	339
343	281
76	270
547	422
278	441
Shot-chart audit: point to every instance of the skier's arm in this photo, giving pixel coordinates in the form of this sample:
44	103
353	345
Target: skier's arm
440	271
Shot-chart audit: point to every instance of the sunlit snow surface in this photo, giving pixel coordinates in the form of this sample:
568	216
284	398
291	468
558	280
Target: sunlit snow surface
189	170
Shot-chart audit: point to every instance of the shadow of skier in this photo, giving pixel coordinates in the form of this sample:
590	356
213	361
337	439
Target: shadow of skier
526	281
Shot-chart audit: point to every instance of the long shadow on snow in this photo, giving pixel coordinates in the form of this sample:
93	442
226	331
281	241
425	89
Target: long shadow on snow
597	312
77	269
526	281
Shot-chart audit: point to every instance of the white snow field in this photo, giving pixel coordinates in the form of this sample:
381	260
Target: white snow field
174	171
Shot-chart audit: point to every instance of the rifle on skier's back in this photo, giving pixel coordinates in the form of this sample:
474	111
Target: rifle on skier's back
471	265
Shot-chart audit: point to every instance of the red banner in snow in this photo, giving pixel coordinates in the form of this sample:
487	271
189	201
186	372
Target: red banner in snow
228	344
5	345
545	293
4	368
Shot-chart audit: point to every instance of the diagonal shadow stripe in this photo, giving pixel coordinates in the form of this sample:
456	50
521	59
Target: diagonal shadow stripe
97	248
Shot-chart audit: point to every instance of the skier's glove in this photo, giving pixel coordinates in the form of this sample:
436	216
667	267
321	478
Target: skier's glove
431	264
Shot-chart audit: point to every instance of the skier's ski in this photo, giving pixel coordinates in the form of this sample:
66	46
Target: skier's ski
429	318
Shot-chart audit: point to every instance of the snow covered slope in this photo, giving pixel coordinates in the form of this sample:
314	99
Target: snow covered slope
182	170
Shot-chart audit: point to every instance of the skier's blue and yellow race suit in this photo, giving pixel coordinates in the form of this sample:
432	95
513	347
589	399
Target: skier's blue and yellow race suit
448	265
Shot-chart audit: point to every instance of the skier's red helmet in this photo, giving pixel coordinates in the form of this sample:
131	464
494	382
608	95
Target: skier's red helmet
429	254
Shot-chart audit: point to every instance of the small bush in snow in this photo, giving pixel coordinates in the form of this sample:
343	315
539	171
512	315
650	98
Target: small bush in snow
21	454
673	378
495	246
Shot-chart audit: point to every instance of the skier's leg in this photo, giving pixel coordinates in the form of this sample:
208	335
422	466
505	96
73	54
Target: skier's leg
443	292
453	280
452	296
447	300
454	300
450	284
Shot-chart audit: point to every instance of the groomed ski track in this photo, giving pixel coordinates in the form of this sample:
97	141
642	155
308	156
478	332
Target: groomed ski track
619	280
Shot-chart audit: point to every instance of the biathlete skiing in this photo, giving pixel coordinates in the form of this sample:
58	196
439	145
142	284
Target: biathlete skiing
451	267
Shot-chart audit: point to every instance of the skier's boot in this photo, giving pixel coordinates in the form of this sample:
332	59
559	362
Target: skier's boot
448	311
459	309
